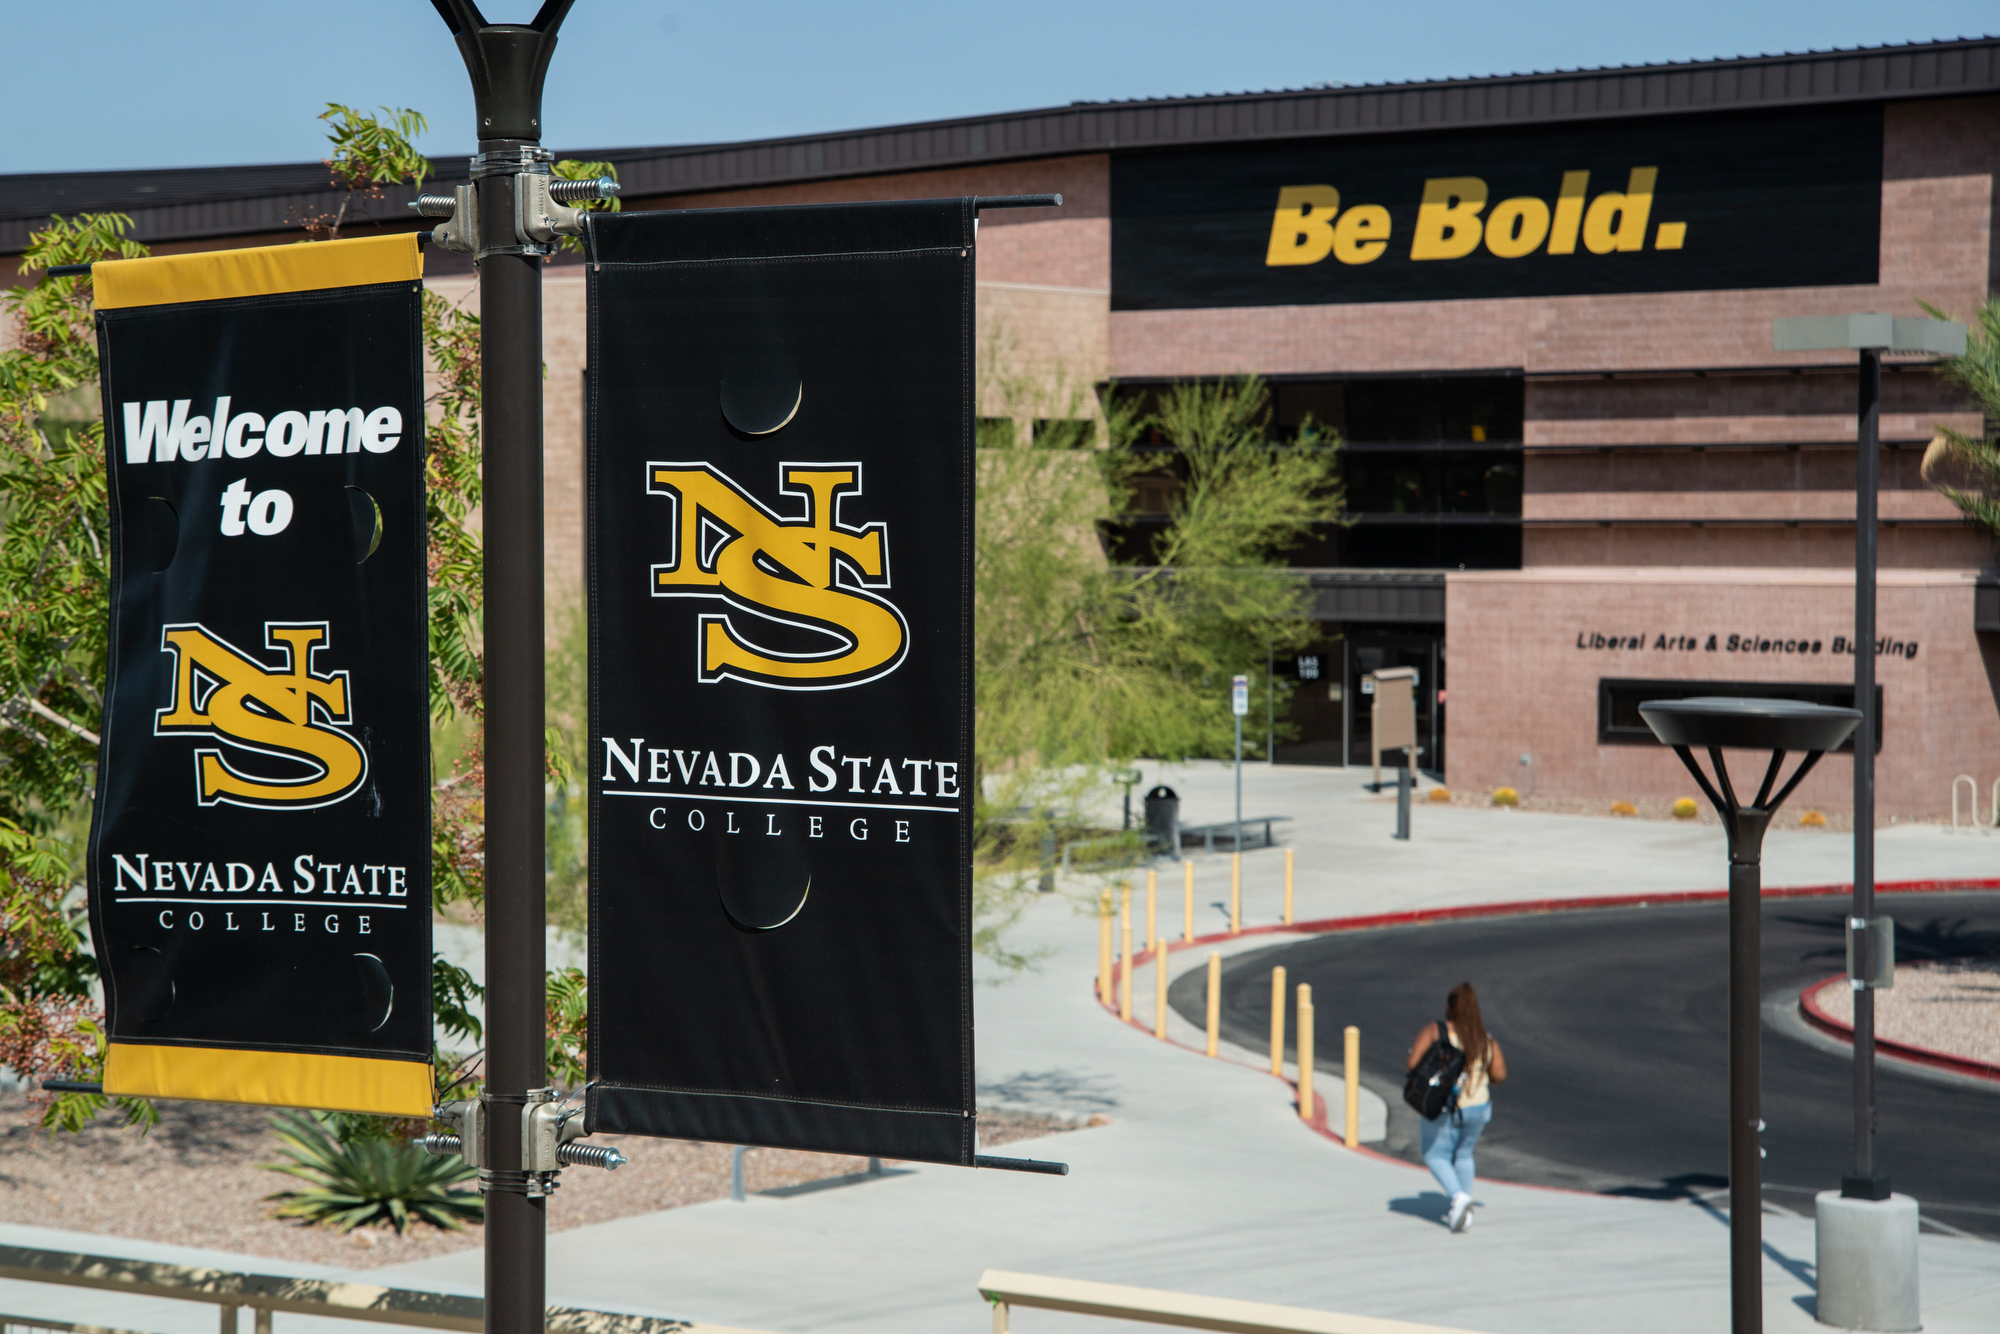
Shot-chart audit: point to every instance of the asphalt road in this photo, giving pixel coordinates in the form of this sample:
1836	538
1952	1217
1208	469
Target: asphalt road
1614	1022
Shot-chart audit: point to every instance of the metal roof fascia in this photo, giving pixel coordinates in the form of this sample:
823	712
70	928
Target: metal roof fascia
1940	69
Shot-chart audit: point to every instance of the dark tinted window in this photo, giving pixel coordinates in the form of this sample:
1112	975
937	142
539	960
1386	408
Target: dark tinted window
1619	698
1427	410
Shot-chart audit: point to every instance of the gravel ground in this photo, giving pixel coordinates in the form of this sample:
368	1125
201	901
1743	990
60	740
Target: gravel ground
1947	1007
194	1180
1653	808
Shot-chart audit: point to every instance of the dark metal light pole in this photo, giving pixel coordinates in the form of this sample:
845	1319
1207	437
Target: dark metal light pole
1870	335
1779	726
507	64
1865	1182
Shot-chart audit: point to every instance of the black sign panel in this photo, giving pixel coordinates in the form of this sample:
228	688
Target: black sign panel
780	505
1718	202
259	866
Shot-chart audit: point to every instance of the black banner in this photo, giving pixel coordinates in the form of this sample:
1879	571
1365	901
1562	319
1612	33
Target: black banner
1789	199
260	853
780	508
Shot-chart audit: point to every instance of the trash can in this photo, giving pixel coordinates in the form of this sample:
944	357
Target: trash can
1163	821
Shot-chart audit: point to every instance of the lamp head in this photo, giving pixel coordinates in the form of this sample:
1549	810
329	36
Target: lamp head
1749	724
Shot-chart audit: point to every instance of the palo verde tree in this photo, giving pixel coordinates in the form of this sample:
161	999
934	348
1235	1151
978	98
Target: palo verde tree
54	554
1966	469
1085	663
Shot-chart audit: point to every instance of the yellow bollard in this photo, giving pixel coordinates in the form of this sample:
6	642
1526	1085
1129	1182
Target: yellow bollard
1288	885
1187	902
1214	1004
1152	906
1160	989
1278	1020
1235	892
1104	949
1305	1052
1350	1069
1125	975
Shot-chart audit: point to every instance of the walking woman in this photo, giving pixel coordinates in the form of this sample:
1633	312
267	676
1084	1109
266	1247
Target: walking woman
1450	1136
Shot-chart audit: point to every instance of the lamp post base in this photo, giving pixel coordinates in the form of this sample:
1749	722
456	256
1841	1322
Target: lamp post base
1867	1262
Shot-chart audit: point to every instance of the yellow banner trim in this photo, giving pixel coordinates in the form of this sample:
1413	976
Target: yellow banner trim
215	275
270	1078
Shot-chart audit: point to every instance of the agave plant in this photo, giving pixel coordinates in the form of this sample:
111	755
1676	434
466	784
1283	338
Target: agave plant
369	1180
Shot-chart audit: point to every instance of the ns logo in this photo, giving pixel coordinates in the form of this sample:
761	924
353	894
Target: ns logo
813	575
289	712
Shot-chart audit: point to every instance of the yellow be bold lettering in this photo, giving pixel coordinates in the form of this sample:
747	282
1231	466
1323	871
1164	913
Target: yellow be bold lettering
1448	218
1618	221
1569	213
1302	230
1362	234
1517	227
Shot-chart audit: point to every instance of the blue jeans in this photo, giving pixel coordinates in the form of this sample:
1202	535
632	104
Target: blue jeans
1448	1145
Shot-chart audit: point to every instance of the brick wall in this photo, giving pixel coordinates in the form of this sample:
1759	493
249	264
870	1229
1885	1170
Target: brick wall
1717	409
1521	684
1775	545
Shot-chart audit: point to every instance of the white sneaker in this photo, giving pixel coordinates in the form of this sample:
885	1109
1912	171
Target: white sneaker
1466	1226
1461	1208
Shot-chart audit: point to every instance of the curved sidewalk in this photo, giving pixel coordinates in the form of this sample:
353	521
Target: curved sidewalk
1205	1180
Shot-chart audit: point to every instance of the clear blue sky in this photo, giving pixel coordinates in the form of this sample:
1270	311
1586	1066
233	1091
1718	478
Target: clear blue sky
102	84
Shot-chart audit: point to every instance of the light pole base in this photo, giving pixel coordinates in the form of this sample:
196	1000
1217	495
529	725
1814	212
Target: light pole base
1867	1262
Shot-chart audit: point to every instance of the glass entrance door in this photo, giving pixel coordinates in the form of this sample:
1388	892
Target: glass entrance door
1316	711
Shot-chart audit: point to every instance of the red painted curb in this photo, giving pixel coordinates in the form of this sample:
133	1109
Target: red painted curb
1522	907
1525	907
1816	1015
1318	1122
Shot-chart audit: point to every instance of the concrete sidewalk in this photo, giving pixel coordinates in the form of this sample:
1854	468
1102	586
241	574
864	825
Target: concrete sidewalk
1205	1181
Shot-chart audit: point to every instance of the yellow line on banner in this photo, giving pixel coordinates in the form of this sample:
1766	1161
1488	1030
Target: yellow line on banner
270	1078
216	275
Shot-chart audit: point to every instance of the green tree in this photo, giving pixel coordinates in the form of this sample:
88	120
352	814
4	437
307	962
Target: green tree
1084	664
54	550
1966	470
369	153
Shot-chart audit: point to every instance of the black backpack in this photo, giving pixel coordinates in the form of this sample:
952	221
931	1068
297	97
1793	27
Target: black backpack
1432	1084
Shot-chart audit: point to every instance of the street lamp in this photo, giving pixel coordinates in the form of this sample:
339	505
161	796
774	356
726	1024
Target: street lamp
1780	726
1869	946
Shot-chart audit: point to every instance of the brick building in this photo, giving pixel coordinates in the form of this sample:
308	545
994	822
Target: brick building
1537	307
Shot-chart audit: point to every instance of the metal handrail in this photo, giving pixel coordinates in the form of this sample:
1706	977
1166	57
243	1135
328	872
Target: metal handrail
267	1293
1186	1310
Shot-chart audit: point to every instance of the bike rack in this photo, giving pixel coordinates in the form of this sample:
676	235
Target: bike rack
1975	824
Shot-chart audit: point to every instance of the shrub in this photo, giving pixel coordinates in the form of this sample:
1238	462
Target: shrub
1506	796
369	1179
1685	809
1813	820
1623	808
1440	794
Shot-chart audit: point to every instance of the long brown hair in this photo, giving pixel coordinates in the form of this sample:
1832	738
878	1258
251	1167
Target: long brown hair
1461	1009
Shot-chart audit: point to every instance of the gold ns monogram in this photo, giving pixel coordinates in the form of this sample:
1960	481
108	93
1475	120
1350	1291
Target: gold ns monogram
813	573
290	713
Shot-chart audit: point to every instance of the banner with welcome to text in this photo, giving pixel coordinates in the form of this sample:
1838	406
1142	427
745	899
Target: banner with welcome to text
260	854
780	483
